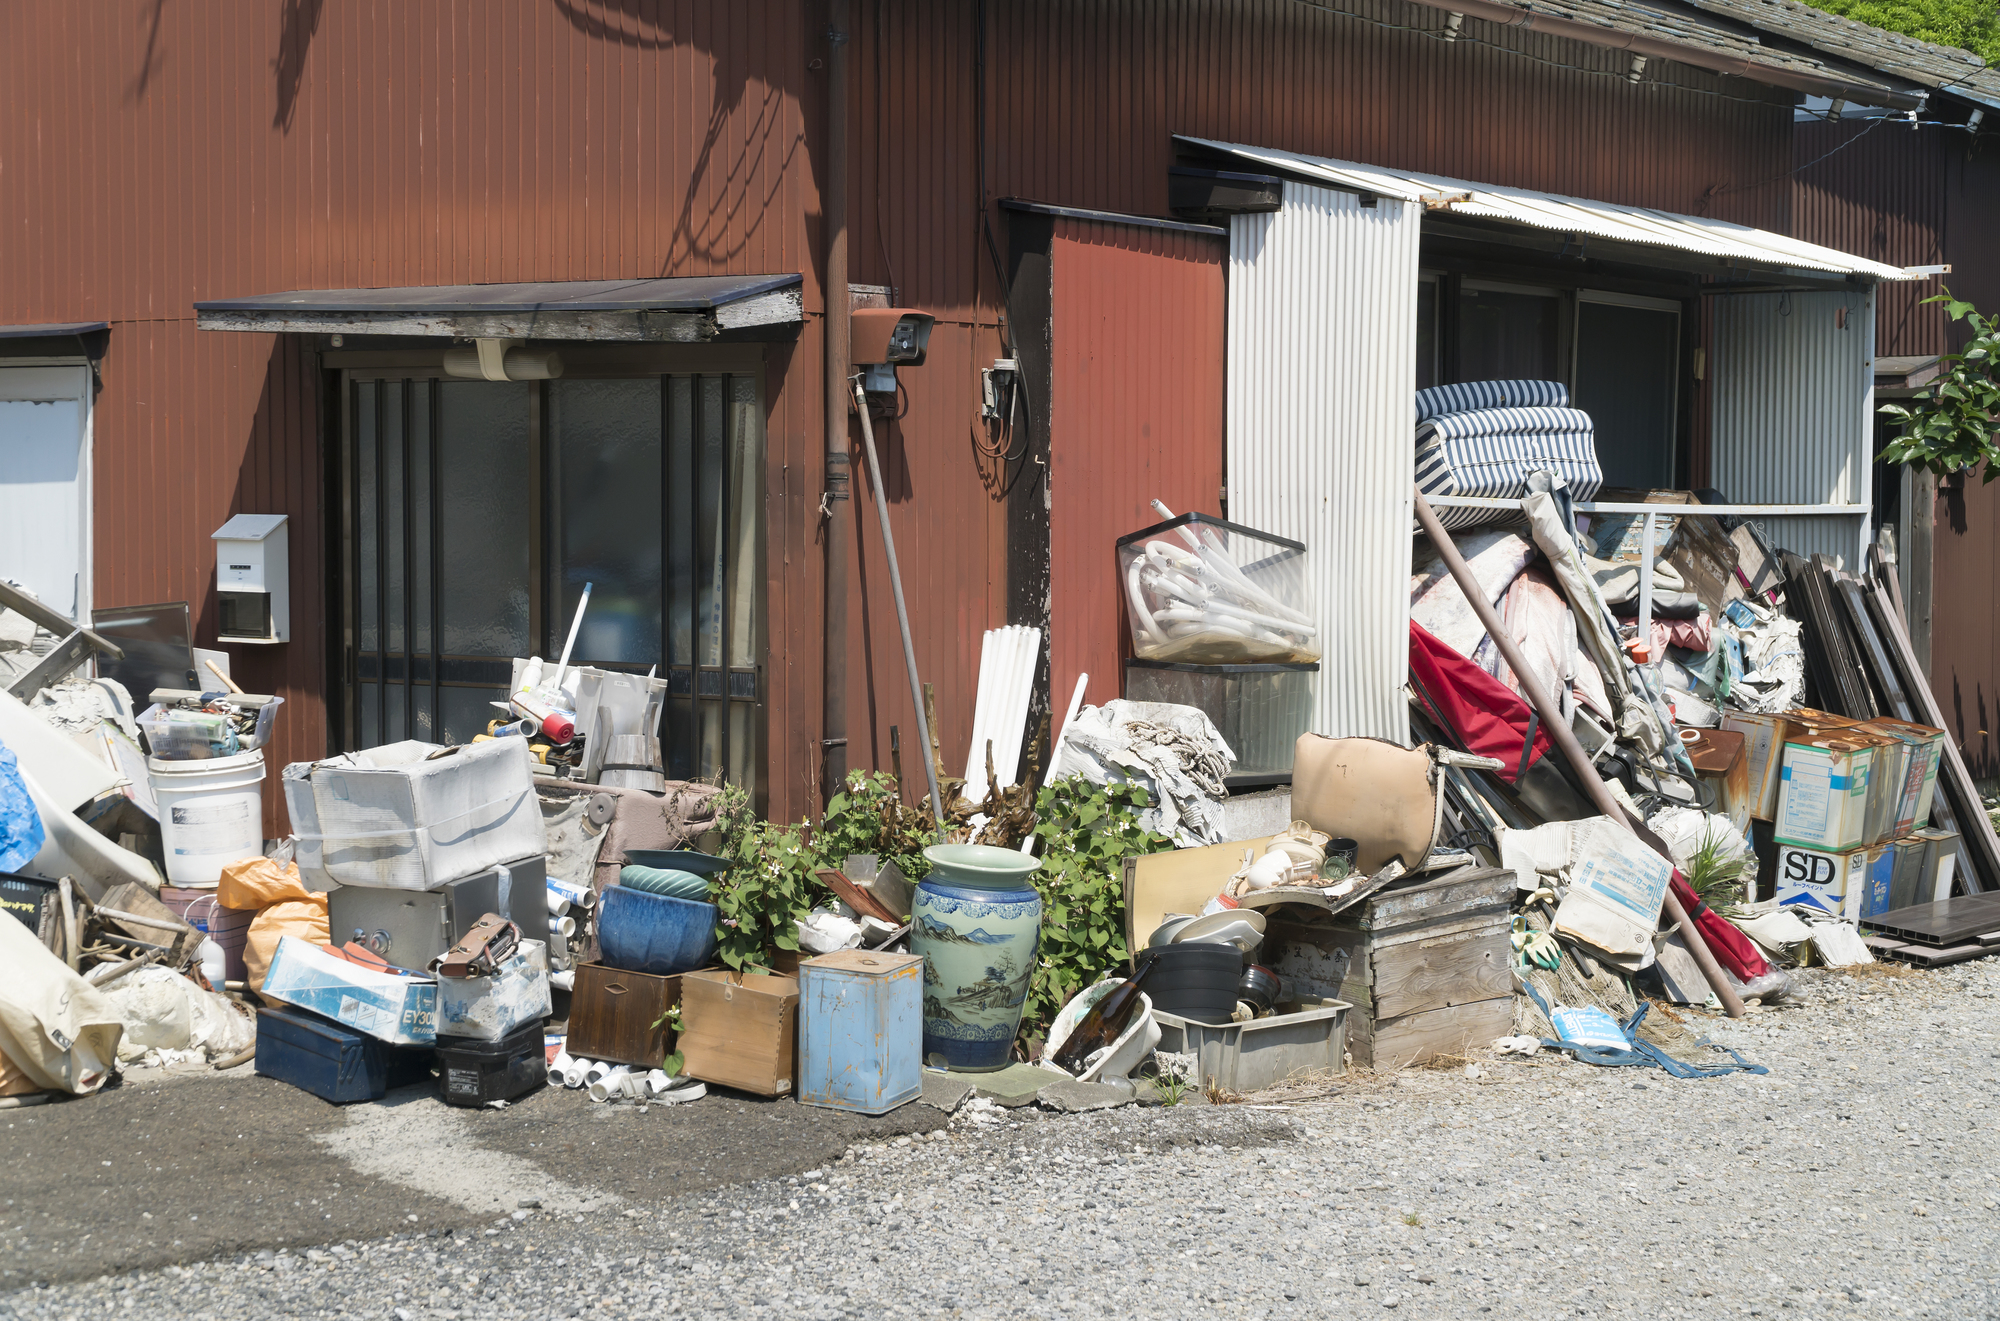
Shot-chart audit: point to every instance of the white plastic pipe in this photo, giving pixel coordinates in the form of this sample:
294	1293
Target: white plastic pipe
598	1070
610	1083
562	927
578	1073
575	625
558	906
579	896
559	1068
975	758
657	1081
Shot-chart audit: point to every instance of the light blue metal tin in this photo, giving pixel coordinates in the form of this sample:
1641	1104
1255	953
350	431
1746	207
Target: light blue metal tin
861	1030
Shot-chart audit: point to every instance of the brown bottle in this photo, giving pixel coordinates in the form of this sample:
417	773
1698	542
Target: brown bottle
1105	1023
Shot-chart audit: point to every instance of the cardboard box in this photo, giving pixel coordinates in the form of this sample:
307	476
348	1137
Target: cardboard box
400	1010
493	1008
740	1030
1841	883
1823	792
414	816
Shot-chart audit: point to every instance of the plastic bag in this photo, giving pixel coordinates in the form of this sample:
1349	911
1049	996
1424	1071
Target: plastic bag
21	833
304	918
166	1013
254	883
56	1028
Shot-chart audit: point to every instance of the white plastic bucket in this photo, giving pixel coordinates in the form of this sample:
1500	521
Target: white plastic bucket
211	813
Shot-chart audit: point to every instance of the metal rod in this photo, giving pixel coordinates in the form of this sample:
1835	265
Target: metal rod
1677	511
834	501
896	586
1565	740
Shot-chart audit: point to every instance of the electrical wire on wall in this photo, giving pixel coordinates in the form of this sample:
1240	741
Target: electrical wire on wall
999	449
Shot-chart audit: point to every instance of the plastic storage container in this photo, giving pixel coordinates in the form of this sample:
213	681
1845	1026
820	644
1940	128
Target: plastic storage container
1260	710
1248	1057
333	1061
861	1017
1206	592
474	1073
211	814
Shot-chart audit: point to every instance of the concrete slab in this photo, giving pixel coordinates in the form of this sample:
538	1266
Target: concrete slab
1014	1085
1075	1098
947	1091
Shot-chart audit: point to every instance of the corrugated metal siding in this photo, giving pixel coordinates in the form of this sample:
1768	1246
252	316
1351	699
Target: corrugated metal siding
1322	410
1878	190
1135	415
1793	409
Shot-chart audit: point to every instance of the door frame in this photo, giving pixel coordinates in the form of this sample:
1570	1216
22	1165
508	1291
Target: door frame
86	573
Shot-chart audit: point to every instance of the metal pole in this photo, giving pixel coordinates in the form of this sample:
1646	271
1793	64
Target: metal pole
1565	740
1646	546
834	502
896	587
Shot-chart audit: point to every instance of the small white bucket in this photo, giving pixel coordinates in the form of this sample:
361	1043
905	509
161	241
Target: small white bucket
211	814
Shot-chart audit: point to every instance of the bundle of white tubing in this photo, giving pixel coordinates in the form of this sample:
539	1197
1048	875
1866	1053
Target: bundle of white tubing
1007	660
1177	592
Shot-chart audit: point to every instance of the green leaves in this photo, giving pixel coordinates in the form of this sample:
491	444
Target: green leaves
1087	832
1950	425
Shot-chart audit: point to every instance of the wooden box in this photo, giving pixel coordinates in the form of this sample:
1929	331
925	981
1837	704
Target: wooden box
1427	966
612	1014
739	1030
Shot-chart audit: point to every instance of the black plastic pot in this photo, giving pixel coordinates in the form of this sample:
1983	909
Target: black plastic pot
1196	981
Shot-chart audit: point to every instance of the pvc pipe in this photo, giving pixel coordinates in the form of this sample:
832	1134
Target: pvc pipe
565	927
575	625
597	1069
577	1073
579	896
558	906
1565	740
564	979
559	1067
609	1083
975	765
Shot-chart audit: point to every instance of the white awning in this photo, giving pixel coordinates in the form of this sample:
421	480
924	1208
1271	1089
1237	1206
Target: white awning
1570	215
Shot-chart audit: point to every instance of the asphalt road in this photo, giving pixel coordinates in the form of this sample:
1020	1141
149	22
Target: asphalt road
1855	1179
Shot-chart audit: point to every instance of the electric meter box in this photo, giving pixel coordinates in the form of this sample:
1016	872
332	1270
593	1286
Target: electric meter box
253	578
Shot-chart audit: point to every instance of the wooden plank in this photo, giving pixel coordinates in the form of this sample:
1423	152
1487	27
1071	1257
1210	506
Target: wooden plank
1464	967
1397	1043
1459	892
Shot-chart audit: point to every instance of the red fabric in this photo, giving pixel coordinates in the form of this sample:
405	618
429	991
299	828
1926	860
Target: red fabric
1732	949
1487	716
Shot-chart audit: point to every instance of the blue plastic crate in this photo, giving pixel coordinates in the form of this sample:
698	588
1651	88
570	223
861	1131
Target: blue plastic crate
333	1062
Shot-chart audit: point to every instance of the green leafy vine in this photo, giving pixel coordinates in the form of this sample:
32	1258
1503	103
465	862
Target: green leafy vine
1948	426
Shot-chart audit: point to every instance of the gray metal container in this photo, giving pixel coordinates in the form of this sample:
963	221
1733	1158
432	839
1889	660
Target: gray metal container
409	928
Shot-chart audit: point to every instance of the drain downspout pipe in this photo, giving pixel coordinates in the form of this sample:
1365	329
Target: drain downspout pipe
1565	740
835	502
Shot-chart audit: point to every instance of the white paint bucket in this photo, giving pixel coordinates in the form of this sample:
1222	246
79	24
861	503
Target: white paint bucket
211	813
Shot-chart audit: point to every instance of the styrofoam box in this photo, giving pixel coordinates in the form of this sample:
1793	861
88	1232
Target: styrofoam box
387	1007
488	1008
401	817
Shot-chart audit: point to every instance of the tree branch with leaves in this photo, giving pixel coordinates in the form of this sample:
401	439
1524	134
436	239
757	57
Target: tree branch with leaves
1949	426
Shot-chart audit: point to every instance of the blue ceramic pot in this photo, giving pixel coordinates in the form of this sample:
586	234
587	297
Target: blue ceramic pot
654	934
977	922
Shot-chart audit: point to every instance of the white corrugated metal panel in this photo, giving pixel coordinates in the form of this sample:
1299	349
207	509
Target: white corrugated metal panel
1570	215
1322	408
1792	377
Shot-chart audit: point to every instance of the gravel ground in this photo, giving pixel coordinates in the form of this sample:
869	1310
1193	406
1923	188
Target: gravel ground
1854	1179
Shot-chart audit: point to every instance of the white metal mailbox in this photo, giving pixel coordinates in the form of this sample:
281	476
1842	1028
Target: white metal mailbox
253	577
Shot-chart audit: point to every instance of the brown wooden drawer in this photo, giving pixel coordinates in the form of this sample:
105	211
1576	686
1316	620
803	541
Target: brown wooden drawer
612	1013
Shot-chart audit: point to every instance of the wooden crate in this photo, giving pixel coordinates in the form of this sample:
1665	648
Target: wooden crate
740	1030
612	1014
1427	966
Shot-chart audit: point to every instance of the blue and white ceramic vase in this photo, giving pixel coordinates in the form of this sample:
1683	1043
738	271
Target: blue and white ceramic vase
977	921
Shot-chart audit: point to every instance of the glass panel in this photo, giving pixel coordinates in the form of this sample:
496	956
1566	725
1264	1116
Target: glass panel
681	527
420	515
467	711
484	517
745	748
371	715
1627	365
395	483
1504	335
606	437
677	740
422	721
710	756
395	726
713	520
366	533
746	487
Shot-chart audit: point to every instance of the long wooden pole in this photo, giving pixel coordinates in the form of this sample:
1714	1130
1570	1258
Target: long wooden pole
1565	740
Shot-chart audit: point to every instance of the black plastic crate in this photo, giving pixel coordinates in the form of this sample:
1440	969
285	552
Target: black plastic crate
27	898
474	1073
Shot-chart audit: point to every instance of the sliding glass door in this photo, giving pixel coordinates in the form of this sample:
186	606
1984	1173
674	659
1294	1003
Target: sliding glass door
474	512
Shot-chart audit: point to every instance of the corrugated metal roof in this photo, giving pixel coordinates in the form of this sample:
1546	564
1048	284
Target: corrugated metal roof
53	328
1935	67
1573	215
693	293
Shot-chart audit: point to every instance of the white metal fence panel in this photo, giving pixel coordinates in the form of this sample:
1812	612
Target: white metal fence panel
1321	418
1792	380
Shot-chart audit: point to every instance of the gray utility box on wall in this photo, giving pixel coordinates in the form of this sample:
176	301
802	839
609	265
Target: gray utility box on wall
409	928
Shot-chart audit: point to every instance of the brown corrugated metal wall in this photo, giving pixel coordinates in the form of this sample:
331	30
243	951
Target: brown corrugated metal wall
157	154
1135	415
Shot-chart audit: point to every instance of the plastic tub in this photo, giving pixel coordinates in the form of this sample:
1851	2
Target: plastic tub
1260	710
653	933
211	814
1206	592
1248	1057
